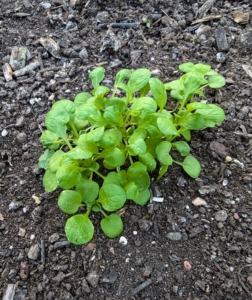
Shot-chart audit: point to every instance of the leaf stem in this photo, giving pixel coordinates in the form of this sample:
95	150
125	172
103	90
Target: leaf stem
100	175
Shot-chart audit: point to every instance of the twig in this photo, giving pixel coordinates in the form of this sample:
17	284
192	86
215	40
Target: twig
240	281
246	135
139	288
117	25
206	19
42	244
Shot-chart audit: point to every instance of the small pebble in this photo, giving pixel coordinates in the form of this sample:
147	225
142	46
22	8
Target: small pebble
199	201
174	236
123	240
221	216
4	133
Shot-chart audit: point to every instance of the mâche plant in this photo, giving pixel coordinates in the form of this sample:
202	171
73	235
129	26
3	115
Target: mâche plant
102	147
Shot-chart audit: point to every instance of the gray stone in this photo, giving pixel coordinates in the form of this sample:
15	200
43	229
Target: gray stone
93	278
113	275
61	244
83	54
54	238
221	39
144	224
14	205
17	58
21	137
174	236
221	216
246	38
34	252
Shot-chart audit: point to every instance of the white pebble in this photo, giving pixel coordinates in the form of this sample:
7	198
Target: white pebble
4	132
123	240
32	237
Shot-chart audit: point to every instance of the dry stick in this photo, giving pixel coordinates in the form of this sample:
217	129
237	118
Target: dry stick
240	281
117	25
139	288
42	252
246	135
206	19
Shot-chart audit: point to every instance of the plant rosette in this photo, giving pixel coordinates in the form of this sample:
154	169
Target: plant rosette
121	136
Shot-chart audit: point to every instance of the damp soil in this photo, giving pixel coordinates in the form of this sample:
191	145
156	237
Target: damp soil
174	249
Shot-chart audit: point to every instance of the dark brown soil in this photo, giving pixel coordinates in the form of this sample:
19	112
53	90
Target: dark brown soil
36	261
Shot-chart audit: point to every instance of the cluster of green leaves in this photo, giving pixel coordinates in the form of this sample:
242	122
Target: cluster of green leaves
122	135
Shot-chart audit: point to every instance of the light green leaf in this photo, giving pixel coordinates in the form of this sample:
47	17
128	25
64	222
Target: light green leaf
88	190
182	147
69	201
50	140
138	79
45	158
79	229
112	197
49	181
66	106
114	157
56	121
216	81
192	122
81	98
55	160
158	91
92	136
177	95
113	116
202	68
79	153
100	91
122	75
143	197
112	225
148	160
96	76
110	138
136	146
143	105
67	176
132	190
191	166
186	67
162	151
173	85
163	169
166	126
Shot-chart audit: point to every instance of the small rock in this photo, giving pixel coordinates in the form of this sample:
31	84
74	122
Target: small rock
34	252
60	277
207	189
240	17
201	284
144	224
4	133
199	201
246	38
84	286
20	121
221	216
83	54
175	289
174	236
123	240
14	205
93	278
22	137
62	244
102	16
46	5
110	42
220	57
221	39
17	58
21	232
54	238
113	275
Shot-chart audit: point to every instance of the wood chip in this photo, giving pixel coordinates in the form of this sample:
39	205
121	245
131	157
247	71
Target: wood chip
206	19
7	72
248	70
9	292
51	46
204	8
240	17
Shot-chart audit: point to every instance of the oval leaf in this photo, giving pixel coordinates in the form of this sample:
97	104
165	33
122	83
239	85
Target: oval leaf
49	181
88	190
112	197
191	166
79	229
69	201
112	225
138	79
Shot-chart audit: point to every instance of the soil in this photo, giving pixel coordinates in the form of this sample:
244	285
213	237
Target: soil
175	249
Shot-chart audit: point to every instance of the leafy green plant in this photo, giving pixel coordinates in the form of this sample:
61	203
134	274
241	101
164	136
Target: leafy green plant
117	137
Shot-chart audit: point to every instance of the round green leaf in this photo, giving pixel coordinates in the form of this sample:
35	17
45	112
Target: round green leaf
191	166
55	160
143	197
49	181
112	197
110	138
216	81
138	79
132	190
50	140
162	151
67	176
69	201
182	147
81	98
148	160
88	190
136	146
112	225
79	229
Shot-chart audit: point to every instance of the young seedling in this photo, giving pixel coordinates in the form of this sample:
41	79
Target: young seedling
119	137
